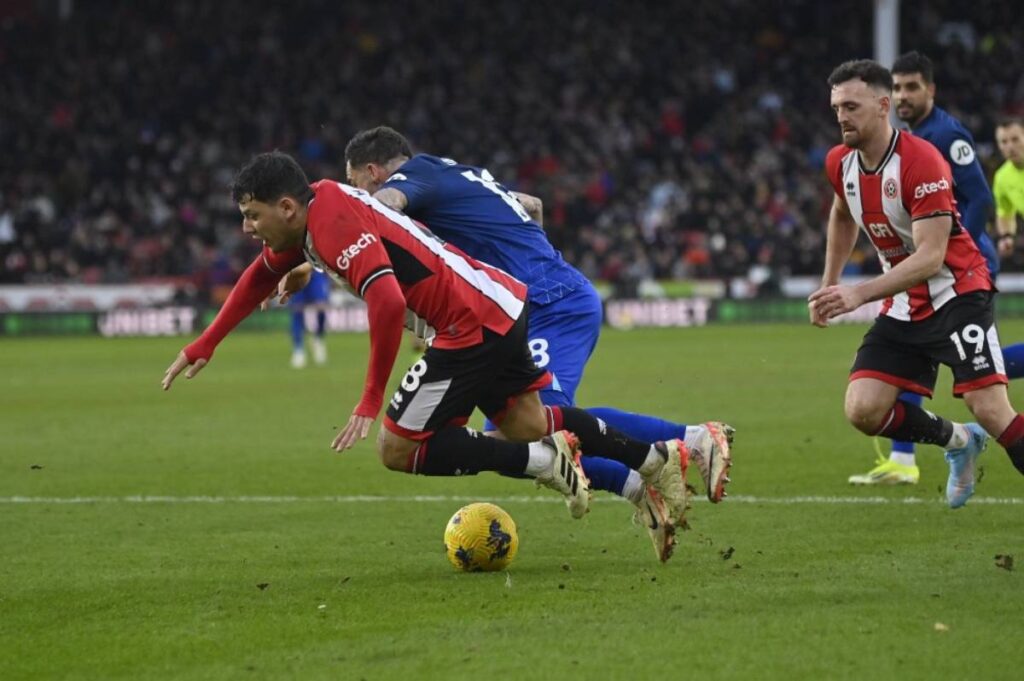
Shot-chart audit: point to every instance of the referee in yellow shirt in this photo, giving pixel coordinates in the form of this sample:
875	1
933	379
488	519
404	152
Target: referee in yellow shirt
1008	183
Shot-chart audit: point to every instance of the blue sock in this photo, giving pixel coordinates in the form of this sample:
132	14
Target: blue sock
1014	358
605	474
298	329
639	426
899	445
321	323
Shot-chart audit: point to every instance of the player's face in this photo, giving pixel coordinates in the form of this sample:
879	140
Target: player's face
1010	139
911	96
860	111
269	222
362	177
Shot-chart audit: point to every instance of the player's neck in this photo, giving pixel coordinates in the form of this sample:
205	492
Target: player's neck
927	112
874	152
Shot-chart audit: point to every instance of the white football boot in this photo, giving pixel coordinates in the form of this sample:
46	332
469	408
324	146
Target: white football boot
710	450
653	515
668	478
566	474
319	351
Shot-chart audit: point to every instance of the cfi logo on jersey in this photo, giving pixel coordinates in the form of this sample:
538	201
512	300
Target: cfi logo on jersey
925	188
890	188
961	153
349	252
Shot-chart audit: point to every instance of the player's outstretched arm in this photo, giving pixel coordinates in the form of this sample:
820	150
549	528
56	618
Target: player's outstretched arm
385	307
253	287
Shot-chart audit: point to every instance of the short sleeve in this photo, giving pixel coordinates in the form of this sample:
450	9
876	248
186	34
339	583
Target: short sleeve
928	186
416	179
834	170
345	236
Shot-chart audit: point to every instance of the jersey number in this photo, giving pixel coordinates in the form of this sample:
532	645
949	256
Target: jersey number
972	334
539	350
486	179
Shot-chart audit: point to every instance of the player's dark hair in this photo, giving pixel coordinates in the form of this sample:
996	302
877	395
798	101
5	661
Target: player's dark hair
376	145
915	62
871	72
1007	121
269	176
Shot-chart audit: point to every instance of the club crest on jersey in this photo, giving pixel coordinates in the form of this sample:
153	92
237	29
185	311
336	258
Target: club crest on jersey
890	188
349	252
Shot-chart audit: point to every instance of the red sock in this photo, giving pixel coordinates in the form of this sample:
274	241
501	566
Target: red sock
1012	440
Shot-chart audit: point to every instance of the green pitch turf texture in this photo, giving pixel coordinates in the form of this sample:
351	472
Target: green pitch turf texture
285	576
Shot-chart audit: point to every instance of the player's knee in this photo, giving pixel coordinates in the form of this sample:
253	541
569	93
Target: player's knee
394	451
864	414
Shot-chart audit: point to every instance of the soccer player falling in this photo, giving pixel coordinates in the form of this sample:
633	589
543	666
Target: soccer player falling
479	357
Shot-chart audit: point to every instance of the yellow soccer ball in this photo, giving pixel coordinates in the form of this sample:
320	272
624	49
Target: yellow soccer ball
481	537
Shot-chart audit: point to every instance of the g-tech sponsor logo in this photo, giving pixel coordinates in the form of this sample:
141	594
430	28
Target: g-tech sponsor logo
349	252
925	188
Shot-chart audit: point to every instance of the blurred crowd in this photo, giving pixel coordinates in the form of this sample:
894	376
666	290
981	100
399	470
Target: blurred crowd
668	140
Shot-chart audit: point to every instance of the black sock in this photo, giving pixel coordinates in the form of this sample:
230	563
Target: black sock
598	438
911	423
457	451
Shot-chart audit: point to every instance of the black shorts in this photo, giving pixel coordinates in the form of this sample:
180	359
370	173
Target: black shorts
962	335
444	386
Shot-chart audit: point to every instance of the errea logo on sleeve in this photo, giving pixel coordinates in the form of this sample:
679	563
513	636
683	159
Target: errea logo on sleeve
925	188
349	252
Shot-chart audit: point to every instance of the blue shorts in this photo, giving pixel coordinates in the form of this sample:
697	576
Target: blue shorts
562	336
317	291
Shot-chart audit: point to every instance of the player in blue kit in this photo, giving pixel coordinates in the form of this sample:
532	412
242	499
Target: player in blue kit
466	207
316	294
914	98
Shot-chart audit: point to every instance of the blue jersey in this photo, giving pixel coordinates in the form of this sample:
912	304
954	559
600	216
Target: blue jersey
971	190
466	207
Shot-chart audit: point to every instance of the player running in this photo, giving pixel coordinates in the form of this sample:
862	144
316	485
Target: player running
478	358
937	290
914	98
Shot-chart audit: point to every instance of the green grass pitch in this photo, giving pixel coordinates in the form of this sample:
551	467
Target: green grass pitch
260	562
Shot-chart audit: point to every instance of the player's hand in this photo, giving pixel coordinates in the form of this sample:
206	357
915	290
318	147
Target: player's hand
357	428
1005	245
291	283
831	301
179	364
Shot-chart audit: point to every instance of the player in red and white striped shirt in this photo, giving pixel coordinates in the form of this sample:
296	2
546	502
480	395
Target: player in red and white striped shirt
478	356
935	284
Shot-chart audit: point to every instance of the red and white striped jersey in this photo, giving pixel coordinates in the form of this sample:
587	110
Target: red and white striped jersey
356	239
912	182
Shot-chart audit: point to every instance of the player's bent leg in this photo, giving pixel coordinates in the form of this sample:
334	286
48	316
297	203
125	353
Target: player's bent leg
868	404
525	420
900	467
395	450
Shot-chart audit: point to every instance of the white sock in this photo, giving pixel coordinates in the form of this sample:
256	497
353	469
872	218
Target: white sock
961	436
692	433
634	487
653	463
541	457
902	458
